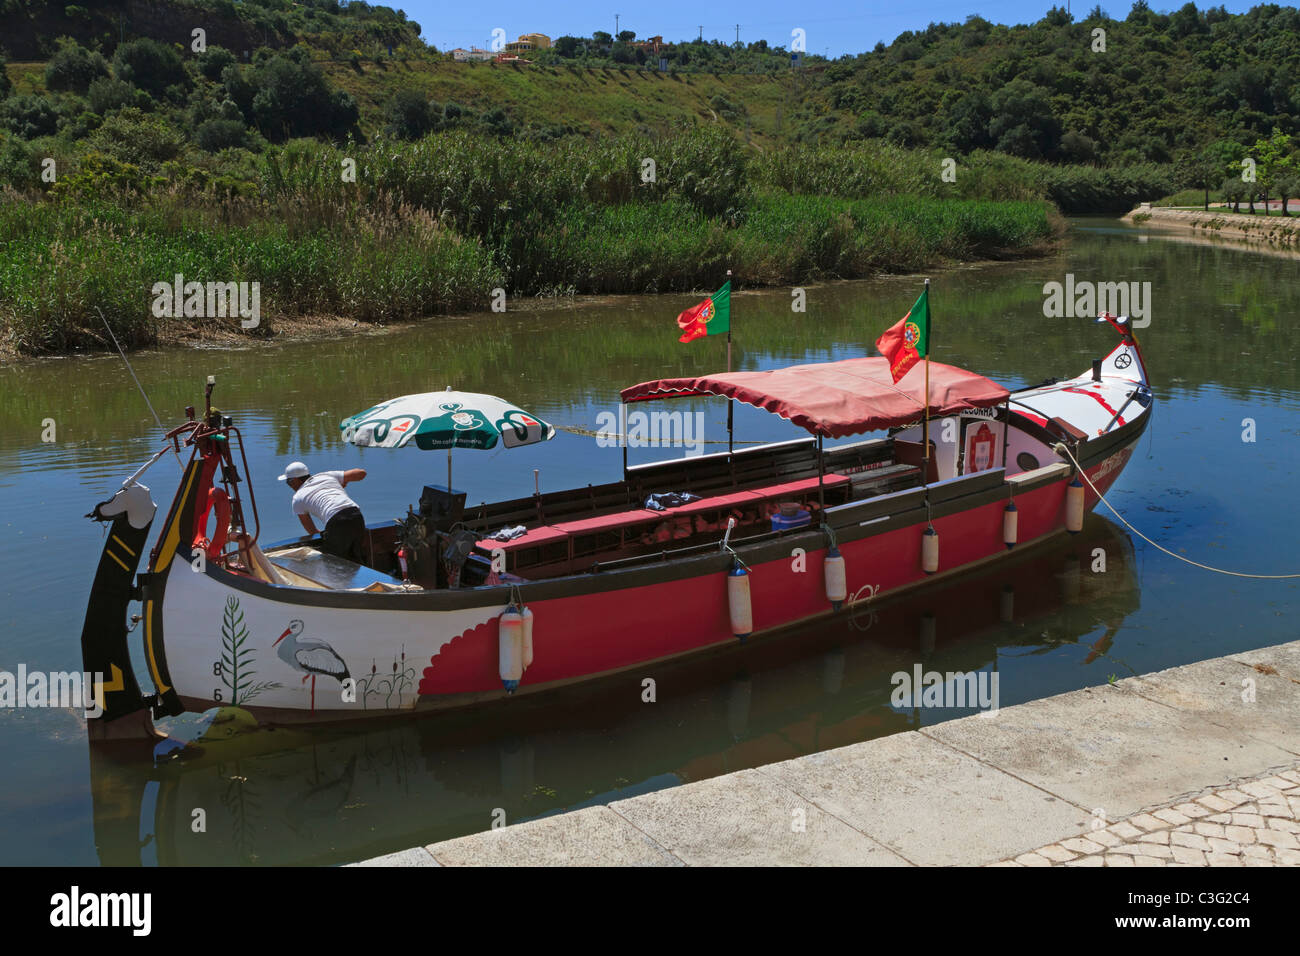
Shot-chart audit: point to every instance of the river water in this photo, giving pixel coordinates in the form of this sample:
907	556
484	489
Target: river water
1213	479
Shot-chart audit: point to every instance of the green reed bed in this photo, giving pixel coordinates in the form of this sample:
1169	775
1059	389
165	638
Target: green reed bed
399	230
787	239
61	262
776	239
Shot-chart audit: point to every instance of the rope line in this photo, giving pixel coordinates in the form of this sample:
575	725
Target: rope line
143	393
1124	521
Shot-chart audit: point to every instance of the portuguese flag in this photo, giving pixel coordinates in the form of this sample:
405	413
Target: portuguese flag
710	317
906	342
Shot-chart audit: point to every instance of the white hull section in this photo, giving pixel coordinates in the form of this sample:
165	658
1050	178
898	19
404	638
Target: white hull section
221	646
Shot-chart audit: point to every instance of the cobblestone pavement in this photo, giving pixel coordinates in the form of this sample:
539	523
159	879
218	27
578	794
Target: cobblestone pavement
1255	822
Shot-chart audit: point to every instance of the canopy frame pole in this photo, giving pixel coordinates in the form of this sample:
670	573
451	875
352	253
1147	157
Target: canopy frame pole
929	347
821	484
1006	435
731	404
622	434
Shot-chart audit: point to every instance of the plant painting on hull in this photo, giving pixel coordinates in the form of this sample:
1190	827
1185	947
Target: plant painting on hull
235	668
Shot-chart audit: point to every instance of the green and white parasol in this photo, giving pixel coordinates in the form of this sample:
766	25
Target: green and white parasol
435	420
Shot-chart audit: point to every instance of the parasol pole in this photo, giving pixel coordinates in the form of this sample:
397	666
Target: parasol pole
449	448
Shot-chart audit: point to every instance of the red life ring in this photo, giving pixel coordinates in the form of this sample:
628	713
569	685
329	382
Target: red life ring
218	499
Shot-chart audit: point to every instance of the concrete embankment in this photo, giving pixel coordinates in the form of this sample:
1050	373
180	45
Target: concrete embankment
972	791
1272	230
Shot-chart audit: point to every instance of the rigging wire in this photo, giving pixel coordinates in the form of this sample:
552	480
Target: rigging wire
143	393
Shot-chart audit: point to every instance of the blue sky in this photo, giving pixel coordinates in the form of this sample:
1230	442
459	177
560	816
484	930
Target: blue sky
833	27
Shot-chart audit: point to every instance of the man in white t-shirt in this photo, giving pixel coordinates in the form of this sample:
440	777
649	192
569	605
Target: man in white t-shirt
322	497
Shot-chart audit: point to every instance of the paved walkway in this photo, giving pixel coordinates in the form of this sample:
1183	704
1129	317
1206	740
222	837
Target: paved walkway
1253	823
1192	765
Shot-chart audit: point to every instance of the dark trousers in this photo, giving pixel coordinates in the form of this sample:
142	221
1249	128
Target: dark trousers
343	533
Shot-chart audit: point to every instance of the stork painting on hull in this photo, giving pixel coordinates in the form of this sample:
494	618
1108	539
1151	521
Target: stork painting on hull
310	656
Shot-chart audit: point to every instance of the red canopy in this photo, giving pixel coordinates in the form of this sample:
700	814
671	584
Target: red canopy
834	399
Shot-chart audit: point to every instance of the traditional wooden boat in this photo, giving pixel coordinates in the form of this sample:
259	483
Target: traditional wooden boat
309	795
442	615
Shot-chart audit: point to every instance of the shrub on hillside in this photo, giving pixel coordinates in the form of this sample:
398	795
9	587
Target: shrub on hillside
107	94
293	98
141	139
213	62
18	163
73	68
150	65
409	115
215	135
29	116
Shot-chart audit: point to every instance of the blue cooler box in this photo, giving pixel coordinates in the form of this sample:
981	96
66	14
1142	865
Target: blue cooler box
801	518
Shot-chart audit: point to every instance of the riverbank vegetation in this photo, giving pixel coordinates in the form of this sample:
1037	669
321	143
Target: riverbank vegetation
396	230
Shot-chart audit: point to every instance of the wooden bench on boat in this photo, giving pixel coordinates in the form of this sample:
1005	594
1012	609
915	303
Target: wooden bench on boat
572	528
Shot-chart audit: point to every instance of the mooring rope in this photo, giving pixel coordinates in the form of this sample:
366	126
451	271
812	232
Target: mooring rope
1060	448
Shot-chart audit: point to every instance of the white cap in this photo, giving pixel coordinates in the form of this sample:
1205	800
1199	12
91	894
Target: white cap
296	469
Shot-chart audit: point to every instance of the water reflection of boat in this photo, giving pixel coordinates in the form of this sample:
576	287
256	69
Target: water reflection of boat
321	795
779	535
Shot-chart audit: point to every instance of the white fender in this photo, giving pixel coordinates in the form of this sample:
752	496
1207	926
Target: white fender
527	615
1074	506
742	611
1010	525
930	551
510	647
837	588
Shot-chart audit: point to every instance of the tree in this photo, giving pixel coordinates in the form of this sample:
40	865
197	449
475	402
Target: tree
28	116
1273	159
73	68
213	62
1078	148
1023	123
294	98
1199	171
1234	191
1058	17
410	116
217	134
968	123
150	65
1288	187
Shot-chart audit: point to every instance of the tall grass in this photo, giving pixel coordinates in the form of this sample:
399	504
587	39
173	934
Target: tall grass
399	230
62	261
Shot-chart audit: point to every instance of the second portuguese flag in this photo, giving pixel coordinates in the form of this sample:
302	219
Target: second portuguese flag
907	341
710	317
